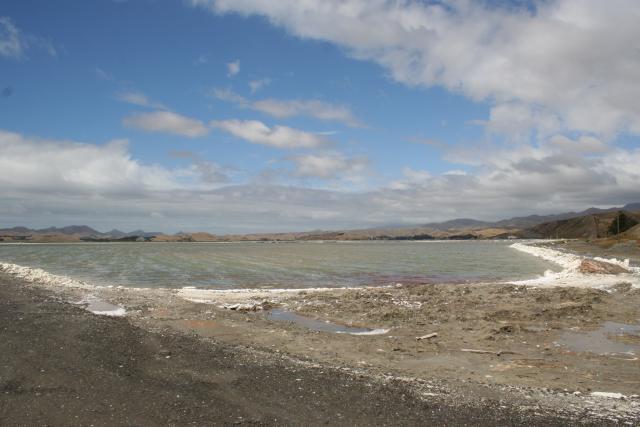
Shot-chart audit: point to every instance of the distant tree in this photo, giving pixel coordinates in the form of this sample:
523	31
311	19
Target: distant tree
622	223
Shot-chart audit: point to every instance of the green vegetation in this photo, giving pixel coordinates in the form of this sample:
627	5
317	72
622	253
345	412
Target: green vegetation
622	223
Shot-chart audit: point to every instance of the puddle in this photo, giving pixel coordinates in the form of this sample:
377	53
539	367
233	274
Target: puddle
317	325
97	306
609	339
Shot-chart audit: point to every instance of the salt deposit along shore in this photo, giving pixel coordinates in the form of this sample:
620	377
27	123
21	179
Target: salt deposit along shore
520	350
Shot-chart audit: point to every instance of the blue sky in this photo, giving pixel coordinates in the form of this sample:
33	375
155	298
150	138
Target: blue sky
242	116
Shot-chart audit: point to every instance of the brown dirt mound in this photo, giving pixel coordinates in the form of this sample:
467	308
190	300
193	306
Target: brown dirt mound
591	266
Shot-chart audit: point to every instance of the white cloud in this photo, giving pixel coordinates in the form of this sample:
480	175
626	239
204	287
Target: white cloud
202	59
140	99
256	85
102	75
412	178
313	108
228	95
284	108
257	132
11	43
61	167
328	166
583	144
233	68
168	122
517	119
15	43
72	181
574	60
80	169
561	174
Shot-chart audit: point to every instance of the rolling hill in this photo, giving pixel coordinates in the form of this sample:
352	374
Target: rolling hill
589	224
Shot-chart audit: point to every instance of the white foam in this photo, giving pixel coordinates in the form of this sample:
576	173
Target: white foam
212	296
570	274
39	276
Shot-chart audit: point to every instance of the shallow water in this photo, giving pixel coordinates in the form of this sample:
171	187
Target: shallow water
287	265
97	306
606	340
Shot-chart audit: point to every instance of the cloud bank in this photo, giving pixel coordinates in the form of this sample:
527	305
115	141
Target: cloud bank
45	182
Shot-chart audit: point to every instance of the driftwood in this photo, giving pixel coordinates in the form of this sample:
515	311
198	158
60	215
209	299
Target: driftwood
497	353
428	336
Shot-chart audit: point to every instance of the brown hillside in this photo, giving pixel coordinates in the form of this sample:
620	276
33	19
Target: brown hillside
632	233
585	227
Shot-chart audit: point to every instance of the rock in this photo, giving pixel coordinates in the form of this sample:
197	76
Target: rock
591	266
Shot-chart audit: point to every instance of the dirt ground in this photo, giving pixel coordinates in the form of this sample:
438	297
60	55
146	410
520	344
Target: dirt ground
63	366
489	354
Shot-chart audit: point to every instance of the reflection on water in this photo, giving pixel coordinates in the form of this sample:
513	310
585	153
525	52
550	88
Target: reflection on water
314	325
248	264
97	306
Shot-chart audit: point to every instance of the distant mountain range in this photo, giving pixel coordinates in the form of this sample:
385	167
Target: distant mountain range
77	230
524	221
593	222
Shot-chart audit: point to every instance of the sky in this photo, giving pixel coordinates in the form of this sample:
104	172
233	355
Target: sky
238	116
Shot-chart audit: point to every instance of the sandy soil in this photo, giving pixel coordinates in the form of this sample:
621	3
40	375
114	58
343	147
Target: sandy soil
527	355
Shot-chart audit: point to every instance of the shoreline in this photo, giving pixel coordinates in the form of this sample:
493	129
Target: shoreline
510	332
568	276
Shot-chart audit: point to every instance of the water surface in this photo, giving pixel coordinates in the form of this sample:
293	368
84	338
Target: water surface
290	265
608	339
